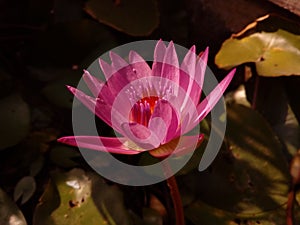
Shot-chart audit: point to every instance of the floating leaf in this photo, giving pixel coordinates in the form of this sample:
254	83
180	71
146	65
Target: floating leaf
9	212
14	120
75	204
25	188
274	54
250	175
135	17
77	197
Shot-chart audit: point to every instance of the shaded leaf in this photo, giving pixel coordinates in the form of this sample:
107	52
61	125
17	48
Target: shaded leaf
9	212
274	53
48	202
25	188
14	120
109	198
250	174
134	17
201	213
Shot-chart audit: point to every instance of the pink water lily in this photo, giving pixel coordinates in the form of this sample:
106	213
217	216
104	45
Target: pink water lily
151	109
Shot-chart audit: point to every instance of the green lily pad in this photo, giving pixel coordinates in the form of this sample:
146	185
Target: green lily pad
77	197
14	120
134	17
250	174
274	53
76	205
9	212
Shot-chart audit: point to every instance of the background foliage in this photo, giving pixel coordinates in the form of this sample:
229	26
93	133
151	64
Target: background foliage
46	44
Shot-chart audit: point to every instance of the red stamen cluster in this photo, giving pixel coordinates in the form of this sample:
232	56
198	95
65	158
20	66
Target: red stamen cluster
142	110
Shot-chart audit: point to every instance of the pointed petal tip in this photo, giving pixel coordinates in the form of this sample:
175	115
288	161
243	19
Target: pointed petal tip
160	44
64	140
171	43
134	57
193	49
71	89
231	73
86	73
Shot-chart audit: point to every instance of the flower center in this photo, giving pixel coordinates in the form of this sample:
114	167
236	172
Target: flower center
142	110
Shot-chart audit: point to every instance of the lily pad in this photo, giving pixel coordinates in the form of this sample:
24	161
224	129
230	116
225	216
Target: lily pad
9	212
76	205
274	53
77	197
14	120
250	174
134	17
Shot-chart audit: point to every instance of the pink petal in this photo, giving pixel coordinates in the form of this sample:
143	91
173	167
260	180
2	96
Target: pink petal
170	67
122	68
166	126
195	85
105	144
100	109
187	144
211	100
187	76
115	80
140	67
199	76
141	135
106	68
93	83
187	69
159	54
178	147
117	61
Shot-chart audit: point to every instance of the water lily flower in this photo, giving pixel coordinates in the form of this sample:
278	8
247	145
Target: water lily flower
149	108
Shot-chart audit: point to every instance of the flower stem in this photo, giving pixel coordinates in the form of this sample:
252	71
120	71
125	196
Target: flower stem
176	199
175	195
290	207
